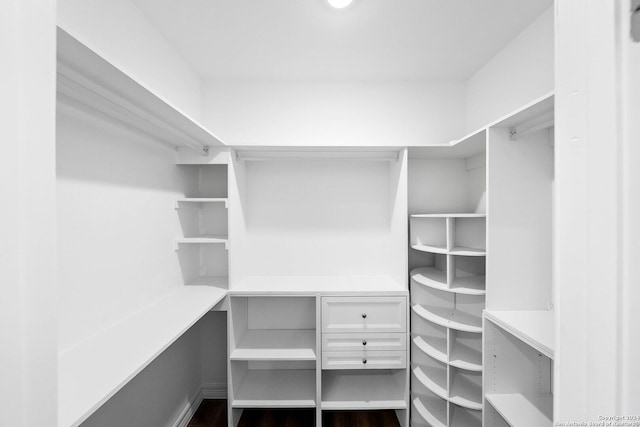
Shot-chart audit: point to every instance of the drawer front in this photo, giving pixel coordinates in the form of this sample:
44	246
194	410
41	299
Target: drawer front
364	359
364	314
364	341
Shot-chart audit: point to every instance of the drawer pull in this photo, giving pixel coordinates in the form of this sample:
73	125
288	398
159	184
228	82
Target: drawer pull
364	361
364	342
364	315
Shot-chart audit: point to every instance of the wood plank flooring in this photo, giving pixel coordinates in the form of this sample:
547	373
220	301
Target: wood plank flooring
213	413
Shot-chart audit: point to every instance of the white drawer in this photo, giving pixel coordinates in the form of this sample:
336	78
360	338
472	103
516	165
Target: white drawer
364	341
364	359
366	314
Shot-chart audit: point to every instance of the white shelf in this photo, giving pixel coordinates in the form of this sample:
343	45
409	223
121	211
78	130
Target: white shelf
94	370
435	415
206	239
432	379
465	357
533	327
430	277
469	285
462	251
434	249
465	393
450	215
427	348
197	202
359	391
458	250
264	344
269	388
304	285
523	410
450	318
221	282
437	279
89	80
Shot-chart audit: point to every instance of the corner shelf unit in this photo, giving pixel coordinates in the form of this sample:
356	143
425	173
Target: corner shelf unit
447	300
203	217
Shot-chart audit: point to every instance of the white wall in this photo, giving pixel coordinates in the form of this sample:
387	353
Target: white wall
28	357
116	224
117	30
335	113
518	74
158	395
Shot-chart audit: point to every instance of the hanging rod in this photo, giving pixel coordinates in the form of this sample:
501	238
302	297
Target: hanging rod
265	155
543	121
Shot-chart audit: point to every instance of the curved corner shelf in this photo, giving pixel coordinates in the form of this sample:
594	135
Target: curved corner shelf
434	416
450	215
430	350
450	318
437	279
466	394
464	251
434	249
465	357
199	202
432	384
203	239
469	285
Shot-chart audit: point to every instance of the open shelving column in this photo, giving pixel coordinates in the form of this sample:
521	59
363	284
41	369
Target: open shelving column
519	319
448	285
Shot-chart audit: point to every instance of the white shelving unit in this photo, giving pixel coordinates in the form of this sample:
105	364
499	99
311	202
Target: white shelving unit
203	216
448	287
519	327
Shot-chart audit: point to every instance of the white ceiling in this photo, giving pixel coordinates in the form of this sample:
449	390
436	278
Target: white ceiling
371	39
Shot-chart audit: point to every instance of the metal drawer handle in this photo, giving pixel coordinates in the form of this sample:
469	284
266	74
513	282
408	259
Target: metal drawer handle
364	361
364	342
364	315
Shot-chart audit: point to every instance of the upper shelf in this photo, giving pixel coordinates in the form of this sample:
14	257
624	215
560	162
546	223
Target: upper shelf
87	79
94	370
534	327
450	215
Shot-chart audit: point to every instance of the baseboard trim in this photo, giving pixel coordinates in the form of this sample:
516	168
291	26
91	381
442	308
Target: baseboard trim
190	409
214	390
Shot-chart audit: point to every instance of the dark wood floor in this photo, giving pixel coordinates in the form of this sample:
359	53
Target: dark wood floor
213	413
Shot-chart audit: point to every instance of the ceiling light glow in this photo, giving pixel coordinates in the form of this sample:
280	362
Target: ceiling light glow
340	4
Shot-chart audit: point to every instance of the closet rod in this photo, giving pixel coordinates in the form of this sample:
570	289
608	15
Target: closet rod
253	155
544	121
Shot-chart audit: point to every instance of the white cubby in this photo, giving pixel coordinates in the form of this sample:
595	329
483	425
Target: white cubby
272	328
358	390
465	350
274	385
